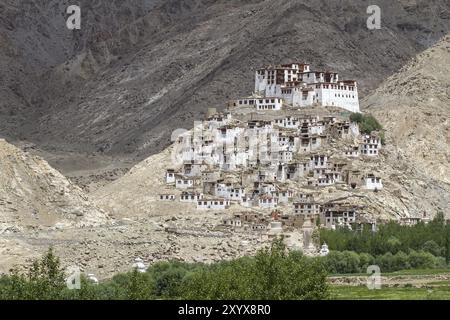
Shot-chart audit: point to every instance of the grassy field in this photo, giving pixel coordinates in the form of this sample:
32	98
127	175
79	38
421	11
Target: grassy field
362	293
409	272
430	290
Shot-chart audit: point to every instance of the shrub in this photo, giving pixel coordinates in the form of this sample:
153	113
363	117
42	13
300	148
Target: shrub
432	247
400	261
365	260
386	262
422	260
367	123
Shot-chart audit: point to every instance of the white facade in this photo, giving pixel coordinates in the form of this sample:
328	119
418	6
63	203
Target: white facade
266	103
370	145
301	87
267	202
352	152
228	191
216	204
191	196
170	176
283	196
329	178
372	182
307	209
319	162
183	182
233	222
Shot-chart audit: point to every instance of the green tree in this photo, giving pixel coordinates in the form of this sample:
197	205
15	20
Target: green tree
139	286
394	244
422	260
432	247
400	261
274	273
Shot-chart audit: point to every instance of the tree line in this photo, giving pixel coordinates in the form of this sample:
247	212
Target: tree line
273	273
393	246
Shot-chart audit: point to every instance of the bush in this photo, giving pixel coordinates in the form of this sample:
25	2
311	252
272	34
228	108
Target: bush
432	247
422	260
400	261
168	277
346	262
337	262
365	260
393	244
367	123
386	262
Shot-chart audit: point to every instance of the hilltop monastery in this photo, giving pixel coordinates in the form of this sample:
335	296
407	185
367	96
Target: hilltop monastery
299	86
269	161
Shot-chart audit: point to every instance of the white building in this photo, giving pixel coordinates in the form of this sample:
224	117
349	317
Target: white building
338	215
170	176
370	145
228	191
233	222
308	209
304	197
352	152
283	196
318	161
372	182
246	201
267	202
301	87
191	196
266	103
309	143
285	156
192	169
289	122
184	182
217	204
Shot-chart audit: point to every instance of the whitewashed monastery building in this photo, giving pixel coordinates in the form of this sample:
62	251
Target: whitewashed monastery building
299	86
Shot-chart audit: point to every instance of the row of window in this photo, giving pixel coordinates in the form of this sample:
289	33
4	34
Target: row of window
267	107
216	203
338	95
251	102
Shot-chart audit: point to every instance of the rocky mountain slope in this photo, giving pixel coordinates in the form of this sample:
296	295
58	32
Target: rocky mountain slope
35	43
40	208
34	196
414	107
139	69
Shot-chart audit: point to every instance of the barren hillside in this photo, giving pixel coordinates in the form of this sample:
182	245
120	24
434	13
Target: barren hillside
34	196
414	107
